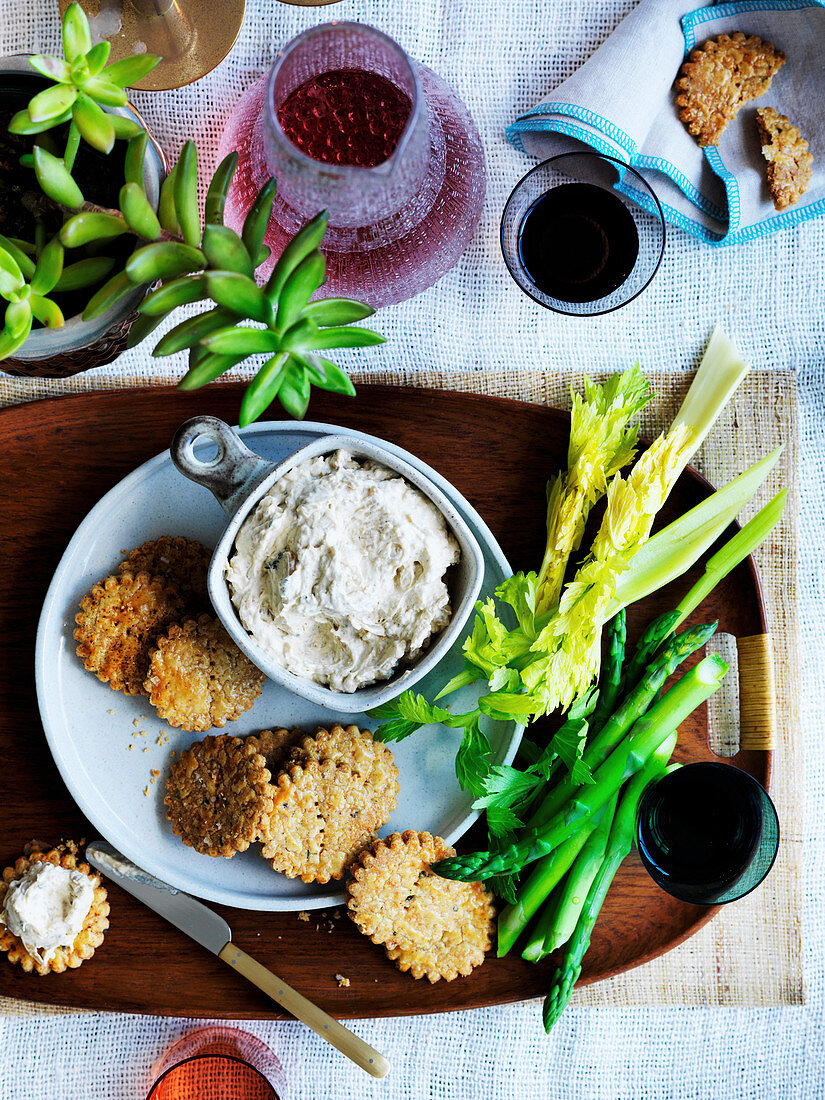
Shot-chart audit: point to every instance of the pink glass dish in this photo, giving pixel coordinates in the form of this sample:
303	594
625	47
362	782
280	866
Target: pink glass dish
394	229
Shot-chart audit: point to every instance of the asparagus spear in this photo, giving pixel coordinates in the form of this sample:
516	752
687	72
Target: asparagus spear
514	918
558	919
611	671
654	636
633	707
629	757
618	846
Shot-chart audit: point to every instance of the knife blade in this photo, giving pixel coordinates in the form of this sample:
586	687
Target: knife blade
190	916
212	932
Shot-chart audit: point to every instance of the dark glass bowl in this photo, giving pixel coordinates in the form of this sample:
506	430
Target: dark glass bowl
609	174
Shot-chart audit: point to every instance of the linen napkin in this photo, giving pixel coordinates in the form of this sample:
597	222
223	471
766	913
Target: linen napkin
621	102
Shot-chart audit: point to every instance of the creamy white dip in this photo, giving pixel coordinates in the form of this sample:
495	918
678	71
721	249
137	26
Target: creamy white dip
46	908
338	573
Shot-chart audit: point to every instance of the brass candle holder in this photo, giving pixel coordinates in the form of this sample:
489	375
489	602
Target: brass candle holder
191	36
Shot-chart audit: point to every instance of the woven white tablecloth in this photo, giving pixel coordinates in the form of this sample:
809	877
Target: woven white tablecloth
502	55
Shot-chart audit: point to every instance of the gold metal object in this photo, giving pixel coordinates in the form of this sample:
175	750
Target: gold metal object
191	36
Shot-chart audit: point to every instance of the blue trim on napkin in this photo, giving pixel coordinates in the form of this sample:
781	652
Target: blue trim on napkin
541	119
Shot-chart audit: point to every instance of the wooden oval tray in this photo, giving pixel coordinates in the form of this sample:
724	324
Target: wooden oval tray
57	458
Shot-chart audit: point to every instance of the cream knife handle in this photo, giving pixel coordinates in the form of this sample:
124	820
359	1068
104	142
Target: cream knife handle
321	1023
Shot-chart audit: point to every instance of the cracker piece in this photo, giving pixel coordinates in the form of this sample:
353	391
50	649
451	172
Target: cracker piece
182	561
786	151
348	745
274	746
718	77
90	935
326	811
218	796
117	625
431	926
198	678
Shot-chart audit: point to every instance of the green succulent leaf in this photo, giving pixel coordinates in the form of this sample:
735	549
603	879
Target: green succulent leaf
186	195
46	311
163	260
302	244
109	294
49	269
135	155
219	189
94	124
129	70
54	179
77	41
84	273
52	68
24	262
141	328
263	389
195	329
52	102
138	212
240	294
126	128
21	123
10	343
207	369
180	292
257	220
91	226
337	311
19	317
352	337
294	391
103	91
243	341
166	204
328	376
97	57
11	272
225	250
299	287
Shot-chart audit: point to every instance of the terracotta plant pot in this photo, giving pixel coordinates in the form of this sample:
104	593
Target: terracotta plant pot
79	345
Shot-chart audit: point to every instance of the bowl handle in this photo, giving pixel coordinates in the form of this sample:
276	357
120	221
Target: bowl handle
232	473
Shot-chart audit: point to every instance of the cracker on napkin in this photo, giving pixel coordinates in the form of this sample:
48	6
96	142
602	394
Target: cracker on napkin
786	151
718	77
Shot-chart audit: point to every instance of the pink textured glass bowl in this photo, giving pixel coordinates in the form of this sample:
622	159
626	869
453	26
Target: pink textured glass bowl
393	230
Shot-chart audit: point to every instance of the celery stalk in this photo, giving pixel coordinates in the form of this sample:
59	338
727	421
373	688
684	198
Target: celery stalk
674	549
744	542
720	372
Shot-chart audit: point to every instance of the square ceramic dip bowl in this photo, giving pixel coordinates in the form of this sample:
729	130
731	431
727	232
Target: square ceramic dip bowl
239	479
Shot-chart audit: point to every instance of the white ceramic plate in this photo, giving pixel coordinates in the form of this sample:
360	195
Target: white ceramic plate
89	727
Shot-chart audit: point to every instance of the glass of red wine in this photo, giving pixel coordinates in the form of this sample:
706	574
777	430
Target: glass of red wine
582	233
707	833
216	1063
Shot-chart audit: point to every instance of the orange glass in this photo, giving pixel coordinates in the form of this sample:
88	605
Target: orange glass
216	1063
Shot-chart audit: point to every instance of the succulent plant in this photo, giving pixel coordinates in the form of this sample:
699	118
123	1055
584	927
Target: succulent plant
194	257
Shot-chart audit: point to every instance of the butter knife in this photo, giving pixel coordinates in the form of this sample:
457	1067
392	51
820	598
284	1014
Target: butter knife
212	932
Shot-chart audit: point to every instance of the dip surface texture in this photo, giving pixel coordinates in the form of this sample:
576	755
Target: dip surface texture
46	908
338	573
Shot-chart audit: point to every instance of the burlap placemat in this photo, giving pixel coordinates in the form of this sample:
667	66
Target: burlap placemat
751	953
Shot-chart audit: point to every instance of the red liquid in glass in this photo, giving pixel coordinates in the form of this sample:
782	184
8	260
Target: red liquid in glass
213	1077
347	116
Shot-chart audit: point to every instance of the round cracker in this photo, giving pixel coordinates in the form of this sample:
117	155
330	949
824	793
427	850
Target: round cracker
95	923
117	625
218	796
198	678
183	562
430	926
326	812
